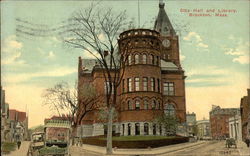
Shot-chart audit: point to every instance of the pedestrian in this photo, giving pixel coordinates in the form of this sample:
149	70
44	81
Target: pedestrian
247	141
18	144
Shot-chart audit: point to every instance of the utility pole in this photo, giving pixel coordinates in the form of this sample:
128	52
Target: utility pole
235	125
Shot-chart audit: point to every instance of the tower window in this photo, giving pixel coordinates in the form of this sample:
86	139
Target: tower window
136	59
137	104
145	84
144	59
123	85
153	104
130	106
152	84
129	60
158	85
137	84
129	84
145	104
152	59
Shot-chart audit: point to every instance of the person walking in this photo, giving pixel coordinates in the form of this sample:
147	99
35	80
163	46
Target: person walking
18	144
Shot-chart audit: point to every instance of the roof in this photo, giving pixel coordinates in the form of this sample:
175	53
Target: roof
17	115
168	66
162	22
57	123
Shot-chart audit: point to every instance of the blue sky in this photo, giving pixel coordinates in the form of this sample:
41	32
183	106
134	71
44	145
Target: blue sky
214	51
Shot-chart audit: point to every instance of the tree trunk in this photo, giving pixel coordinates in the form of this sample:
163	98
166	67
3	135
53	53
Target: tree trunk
109	135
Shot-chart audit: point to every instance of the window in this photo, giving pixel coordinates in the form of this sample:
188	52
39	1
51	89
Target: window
137	104
169	109
129	60
129	84
158	85
152	59
154	129
130	107
136	59
152	84
144	59
158	105
145	84
137	84
123	85
168	88
145	104
137	129
153	104
129	129
146	130
157	60
107	88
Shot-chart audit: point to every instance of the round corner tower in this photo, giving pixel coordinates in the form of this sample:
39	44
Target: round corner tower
140	100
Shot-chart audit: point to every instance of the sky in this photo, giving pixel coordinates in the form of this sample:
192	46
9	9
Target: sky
214	50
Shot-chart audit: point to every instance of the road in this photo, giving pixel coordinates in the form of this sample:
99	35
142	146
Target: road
211	148
76	151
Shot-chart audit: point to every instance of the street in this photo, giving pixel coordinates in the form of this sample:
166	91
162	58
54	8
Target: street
210	148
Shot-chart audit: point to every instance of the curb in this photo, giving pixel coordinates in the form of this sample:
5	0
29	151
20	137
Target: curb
152	151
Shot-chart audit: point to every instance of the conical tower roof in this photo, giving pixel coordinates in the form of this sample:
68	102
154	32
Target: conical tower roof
162	22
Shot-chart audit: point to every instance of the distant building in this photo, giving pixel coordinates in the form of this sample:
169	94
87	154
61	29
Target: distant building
203	129
235	127
219	121
245	115
191	123
5	124
18	125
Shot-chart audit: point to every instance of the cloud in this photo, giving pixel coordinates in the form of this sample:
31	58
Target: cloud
198	41
51	54
23	77
193	35
182	57
240	52
11	51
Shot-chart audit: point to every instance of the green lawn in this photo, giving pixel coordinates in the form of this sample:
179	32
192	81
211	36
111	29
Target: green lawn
6	147
136	138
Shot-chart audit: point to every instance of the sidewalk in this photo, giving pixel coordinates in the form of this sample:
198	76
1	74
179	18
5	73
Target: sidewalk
243	149
150	151
22	151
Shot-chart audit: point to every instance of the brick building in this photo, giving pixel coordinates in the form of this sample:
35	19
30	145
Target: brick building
219	121
18	125
245	115
153	82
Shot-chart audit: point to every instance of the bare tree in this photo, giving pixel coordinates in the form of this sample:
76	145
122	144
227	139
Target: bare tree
64	100
96	31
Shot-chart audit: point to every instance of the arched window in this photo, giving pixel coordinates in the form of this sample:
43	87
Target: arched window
137	104
129	129
145	104
130	106
136	59
137	129
146	129
152	59
153	104
169	109
144	59
157	60
137	83
159	104
145	84
154	129
129	60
